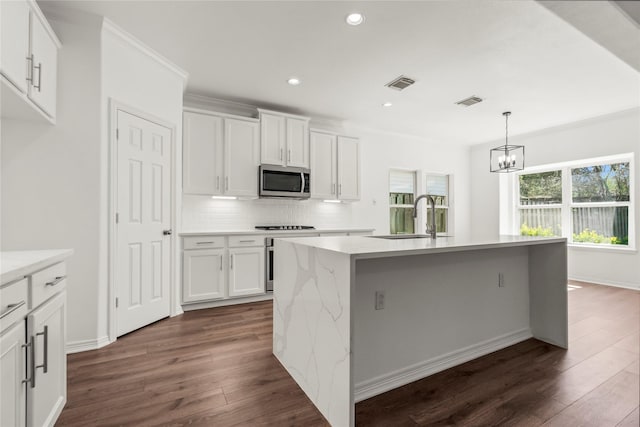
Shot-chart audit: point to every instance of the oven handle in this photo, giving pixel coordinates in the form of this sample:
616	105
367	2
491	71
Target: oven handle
268	264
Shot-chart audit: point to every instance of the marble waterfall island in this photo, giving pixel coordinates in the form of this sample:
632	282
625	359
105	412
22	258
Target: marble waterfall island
444	302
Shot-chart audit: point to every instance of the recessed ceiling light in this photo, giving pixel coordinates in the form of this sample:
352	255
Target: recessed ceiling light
294	81
387	104
355	18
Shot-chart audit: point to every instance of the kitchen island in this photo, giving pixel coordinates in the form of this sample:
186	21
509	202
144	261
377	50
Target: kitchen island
354	317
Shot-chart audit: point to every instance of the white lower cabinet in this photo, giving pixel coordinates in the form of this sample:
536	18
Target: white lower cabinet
47	388
12	374
246	271
217	268
203	275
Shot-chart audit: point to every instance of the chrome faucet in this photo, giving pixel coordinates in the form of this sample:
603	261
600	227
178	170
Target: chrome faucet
431	228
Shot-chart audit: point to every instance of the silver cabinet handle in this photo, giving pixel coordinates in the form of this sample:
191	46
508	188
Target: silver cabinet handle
246	241
205	243
29	357
32	362
227	183
218	182
220	263
280	153
232	261
11	308
30	72
45	357
333	188
56	281
167	232
39	85
339	189
288	155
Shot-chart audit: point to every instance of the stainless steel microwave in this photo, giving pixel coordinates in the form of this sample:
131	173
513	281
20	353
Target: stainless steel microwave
281	181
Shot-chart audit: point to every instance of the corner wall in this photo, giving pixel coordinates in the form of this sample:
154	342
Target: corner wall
608	135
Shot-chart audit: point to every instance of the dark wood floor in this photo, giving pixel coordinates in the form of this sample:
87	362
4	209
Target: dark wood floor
214	368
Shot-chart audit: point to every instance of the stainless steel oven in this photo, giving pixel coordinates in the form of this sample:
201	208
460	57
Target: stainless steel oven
269	263
284	182
268	243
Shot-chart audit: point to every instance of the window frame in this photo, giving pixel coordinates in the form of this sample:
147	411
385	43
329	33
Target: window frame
568	204
449	229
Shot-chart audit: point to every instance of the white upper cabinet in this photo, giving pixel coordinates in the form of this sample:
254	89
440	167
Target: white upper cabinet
335	166
29	61
348	168
242	157
14	33
202	154
323	165
284	139
44	55
220	155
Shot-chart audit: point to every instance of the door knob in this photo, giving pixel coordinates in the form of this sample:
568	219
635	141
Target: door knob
167	232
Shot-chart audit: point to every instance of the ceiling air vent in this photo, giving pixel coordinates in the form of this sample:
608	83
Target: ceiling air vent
400	83
469	101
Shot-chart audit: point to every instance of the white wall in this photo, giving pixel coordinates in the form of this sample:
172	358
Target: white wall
380	152
50	174
613	134
135	76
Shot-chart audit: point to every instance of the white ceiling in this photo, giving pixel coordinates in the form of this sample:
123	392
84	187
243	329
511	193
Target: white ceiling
518	55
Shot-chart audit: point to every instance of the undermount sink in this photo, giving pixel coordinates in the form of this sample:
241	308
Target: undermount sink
402	236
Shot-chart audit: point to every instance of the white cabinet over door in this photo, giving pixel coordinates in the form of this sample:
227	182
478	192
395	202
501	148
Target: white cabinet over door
348	168
47	396
323	165
14	40
203	275
246	271
241	147
44	54
297	142
272	134
202	154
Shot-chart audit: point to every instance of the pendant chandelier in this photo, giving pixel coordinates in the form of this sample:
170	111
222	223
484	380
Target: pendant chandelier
507	158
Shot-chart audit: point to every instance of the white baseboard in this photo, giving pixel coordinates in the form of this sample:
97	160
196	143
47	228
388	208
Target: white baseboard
384	383
225	302
614	283
86	345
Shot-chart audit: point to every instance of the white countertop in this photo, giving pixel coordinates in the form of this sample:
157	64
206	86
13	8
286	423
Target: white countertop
270	232
362	247
17	264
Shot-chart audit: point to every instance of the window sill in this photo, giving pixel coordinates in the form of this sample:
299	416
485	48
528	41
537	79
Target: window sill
603	248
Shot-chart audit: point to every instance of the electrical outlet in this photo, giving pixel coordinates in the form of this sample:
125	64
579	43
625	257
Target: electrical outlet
501	280
379	300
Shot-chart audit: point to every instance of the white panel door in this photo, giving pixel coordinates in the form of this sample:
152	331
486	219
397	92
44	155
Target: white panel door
246	271
241	154
297	142
323	165
202	154
272	139
14	42
203	275
48	390
143	206
348	168
45	67
12	372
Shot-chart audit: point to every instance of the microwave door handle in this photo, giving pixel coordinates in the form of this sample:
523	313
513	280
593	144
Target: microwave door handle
303	183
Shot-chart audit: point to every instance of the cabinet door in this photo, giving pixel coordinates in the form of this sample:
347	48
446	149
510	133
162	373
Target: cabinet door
45	67
246	271
241	153
12	372
348	168
202	156
47	393
202	275
14	42
272	137
297	142
323	165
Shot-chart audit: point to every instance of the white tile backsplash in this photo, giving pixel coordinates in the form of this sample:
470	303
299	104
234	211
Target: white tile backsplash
205	213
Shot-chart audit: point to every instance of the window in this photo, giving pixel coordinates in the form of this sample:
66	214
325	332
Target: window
401	198
438	185
589	202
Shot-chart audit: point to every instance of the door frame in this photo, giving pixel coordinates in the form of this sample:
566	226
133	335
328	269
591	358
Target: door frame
114	107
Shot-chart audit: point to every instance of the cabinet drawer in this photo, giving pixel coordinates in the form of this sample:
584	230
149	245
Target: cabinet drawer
203	242
47	282
245	241
13	303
